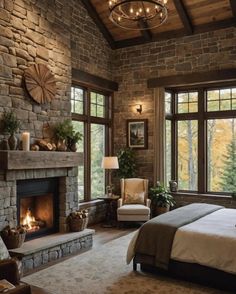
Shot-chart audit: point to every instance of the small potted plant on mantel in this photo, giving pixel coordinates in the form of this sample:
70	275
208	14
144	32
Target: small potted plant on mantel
67	136
161	199
10	126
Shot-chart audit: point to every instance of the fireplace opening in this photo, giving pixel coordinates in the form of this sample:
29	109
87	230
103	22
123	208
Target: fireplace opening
37	206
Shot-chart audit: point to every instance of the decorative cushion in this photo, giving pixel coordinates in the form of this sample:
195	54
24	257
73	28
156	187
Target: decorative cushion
4	254
134	209
134	198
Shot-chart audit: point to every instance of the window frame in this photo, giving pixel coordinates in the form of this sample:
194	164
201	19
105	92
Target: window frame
202	116
88	120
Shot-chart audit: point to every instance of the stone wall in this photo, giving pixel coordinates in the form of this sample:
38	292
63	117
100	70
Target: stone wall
89	50
134	65
60	34
34	32
182	200
53	32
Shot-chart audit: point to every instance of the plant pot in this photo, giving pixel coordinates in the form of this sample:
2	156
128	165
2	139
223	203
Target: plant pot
161	210
12	141
73	147
61	145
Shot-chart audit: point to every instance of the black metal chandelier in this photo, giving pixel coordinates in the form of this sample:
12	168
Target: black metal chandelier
138	15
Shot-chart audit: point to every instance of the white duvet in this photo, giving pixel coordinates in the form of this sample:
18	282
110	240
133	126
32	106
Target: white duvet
209	241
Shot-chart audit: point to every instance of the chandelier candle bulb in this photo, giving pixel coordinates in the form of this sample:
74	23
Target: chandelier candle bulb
25	141
129	14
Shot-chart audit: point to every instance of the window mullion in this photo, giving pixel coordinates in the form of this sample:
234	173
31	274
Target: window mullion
87	149
202	139
174	138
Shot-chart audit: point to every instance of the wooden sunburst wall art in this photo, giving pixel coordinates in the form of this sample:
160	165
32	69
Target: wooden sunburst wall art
40	83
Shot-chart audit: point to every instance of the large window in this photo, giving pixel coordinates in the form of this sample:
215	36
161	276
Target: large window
201	139
91	115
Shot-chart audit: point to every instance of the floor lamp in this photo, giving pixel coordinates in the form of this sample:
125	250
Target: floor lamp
109	163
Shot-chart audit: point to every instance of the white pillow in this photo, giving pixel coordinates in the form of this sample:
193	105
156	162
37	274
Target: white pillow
4	254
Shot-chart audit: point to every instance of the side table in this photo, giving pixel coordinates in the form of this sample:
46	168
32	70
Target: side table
111	201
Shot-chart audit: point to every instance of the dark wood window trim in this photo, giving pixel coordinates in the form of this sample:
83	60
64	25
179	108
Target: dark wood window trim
202	116
88	120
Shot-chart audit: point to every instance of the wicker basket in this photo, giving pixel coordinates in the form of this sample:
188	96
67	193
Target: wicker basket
78	224
13	241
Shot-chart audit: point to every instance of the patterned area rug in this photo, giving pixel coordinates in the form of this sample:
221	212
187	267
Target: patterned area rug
104	270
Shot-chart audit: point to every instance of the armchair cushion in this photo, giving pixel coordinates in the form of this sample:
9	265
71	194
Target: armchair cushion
134	198
134	209
4	254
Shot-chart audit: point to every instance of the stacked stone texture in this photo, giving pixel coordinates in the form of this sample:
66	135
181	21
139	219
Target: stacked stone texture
41	257
34	32
135	65
90	51
42	32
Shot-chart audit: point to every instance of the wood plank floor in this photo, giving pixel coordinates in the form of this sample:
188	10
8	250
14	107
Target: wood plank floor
104	235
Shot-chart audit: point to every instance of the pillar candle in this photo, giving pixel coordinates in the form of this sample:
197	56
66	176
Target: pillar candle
26	141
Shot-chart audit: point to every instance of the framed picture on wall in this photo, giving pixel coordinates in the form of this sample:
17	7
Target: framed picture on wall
137	135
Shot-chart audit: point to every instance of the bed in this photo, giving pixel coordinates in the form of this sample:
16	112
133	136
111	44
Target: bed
196	242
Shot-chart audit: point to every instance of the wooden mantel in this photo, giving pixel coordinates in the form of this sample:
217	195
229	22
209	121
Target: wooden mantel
20	160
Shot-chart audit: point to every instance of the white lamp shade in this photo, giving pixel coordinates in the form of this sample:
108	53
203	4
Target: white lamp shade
110	162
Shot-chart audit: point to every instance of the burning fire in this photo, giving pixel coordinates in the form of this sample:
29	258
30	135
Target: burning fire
29	221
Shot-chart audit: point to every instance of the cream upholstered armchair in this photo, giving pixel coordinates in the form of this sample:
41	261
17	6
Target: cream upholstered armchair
134	204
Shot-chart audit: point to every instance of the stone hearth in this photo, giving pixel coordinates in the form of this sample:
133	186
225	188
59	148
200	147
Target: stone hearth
36	253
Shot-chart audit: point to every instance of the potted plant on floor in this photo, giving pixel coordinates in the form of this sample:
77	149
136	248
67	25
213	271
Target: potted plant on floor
10	126
161	199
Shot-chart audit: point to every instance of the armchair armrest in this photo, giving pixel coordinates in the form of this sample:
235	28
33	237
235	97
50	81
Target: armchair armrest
9	271
148	202
119	202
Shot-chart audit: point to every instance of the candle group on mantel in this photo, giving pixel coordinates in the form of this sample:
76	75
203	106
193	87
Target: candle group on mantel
25	141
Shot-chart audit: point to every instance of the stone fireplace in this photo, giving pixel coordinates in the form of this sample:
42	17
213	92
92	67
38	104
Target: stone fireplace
38	206
44	186
27	176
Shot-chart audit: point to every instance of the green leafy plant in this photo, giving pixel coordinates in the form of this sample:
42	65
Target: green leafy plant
63	129
127	166
161	197
10	123
74	137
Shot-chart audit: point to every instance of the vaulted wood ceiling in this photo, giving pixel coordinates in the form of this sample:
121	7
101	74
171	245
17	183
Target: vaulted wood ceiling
185	17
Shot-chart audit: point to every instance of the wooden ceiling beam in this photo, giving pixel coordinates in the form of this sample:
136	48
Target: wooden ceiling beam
144	29
222	24
209	77
183	14
96	18
233	7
